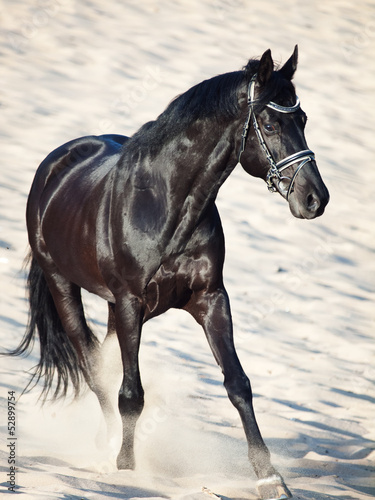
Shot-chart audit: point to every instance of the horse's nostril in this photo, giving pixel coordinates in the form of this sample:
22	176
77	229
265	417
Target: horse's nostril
312	203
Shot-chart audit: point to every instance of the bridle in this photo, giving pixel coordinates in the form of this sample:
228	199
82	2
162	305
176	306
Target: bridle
274	174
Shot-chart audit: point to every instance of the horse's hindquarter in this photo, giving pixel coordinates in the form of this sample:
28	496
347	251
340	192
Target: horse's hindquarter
68	209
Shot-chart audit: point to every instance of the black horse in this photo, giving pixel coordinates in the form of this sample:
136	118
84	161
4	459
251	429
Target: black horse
133	220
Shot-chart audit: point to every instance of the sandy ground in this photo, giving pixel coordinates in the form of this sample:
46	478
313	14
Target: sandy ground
302	291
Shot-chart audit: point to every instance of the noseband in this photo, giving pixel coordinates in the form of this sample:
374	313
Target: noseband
274	174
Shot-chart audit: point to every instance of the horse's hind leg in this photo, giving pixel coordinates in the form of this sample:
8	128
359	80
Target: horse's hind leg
108	380
92	359
68	303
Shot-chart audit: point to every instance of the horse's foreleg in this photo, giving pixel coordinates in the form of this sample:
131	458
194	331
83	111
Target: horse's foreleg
131	401
212	311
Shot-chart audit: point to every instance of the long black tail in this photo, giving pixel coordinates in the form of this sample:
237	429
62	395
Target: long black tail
58	359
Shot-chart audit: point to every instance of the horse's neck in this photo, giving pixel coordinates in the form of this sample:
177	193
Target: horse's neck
189	171
208	168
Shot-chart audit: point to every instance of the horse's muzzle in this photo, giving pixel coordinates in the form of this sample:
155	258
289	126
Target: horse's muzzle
309	205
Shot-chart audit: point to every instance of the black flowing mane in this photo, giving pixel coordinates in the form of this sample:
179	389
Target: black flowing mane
215	98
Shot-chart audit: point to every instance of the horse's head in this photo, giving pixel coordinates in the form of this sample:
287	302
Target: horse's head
273	141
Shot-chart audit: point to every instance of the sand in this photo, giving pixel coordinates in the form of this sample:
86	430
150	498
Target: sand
302	292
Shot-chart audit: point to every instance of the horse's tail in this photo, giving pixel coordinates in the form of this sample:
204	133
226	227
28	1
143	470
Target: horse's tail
58	359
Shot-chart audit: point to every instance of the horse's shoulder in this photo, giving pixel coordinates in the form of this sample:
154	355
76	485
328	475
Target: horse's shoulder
207	240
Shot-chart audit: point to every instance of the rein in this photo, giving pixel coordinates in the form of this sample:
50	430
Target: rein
274	176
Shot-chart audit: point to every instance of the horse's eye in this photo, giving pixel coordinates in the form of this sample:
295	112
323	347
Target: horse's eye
270	128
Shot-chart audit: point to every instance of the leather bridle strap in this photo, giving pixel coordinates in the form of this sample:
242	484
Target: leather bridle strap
274	173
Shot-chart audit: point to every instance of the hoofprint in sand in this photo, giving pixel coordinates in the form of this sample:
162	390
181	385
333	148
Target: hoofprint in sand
71	69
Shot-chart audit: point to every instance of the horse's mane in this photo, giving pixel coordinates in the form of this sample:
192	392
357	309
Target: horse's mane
215	98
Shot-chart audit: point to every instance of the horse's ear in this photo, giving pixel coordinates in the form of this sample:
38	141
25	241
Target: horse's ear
290	66
265	68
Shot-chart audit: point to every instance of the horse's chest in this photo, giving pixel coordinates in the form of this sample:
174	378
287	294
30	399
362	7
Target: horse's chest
173	284
166	289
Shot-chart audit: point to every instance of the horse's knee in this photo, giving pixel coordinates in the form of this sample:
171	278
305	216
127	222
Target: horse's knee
239	390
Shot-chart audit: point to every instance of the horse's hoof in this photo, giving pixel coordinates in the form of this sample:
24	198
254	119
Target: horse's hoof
273	488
